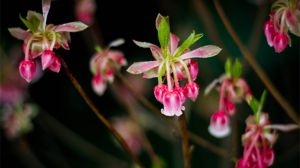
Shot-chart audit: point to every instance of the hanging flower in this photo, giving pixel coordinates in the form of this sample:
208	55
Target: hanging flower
284	18
104	64
259	137
232	89
174	64
40	40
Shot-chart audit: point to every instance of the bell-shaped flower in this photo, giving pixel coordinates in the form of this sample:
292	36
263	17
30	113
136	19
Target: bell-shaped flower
98	84
280	42
191	90
159	91
219	124
172	102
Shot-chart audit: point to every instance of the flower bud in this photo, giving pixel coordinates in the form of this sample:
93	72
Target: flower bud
193	68
47	58
280	42
27	69
191	90
159	91
98	84
172	103
55	66
269	31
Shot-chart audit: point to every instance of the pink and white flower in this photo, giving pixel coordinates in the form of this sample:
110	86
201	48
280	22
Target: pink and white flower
104	64
41	39
174	63
284	18
219	124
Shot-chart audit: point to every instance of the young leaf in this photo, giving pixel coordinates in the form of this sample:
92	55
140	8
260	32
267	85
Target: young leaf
254	104
228	68
27	23
98	48
187	43
236	69
35	19
164	32
262	101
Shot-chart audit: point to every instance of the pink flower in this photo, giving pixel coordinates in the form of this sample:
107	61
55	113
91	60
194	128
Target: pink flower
98	84
27	69
85	10
104	64
40	39
172	102
130	131
284	18
159	91
269	31
191	90
174	63
280	42
219	124
47	59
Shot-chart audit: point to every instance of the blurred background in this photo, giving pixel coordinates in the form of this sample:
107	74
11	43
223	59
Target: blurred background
66	133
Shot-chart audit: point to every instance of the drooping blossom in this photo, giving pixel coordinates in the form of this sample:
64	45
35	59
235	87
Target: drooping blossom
85	10
232	89
173	64
259	137
130	131
284	18
104	64
40	40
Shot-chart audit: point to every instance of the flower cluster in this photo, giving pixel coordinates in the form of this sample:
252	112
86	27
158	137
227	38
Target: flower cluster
259	138
104	64
41	39
85	10
175	64
232	89
284	18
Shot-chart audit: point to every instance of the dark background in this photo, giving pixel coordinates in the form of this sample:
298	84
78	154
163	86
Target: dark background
134	19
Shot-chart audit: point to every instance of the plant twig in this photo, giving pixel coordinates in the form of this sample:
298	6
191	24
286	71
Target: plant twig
257	69
111	129
185	141
193	137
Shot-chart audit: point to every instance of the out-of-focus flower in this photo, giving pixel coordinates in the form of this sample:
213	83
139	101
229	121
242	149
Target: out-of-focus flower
16	119
284	18
175	64
232	89
259	137
104	64
41	39
130	131
85	10
219	124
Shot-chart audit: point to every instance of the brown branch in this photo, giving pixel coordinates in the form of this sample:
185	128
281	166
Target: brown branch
192	136
185	141
257	69
111	129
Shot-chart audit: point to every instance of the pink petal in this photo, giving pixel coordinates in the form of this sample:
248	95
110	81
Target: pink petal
269	31
46	7
140	67
98	84
70	27
172	104
202	52
156	52
151	73
55	66
173	43
47	58
280	42
19	33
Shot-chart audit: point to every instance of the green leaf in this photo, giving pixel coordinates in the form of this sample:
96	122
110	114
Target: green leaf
162	71
254	104
236	69
36	19
164	32
98	48
262	101
228	68
27	23
187	43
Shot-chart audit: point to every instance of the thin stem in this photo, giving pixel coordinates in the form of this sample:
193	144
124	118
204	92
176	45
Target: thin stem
257	69
186	70
53	40
27	47
185	142
168	76
111	129
193	137
175	75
